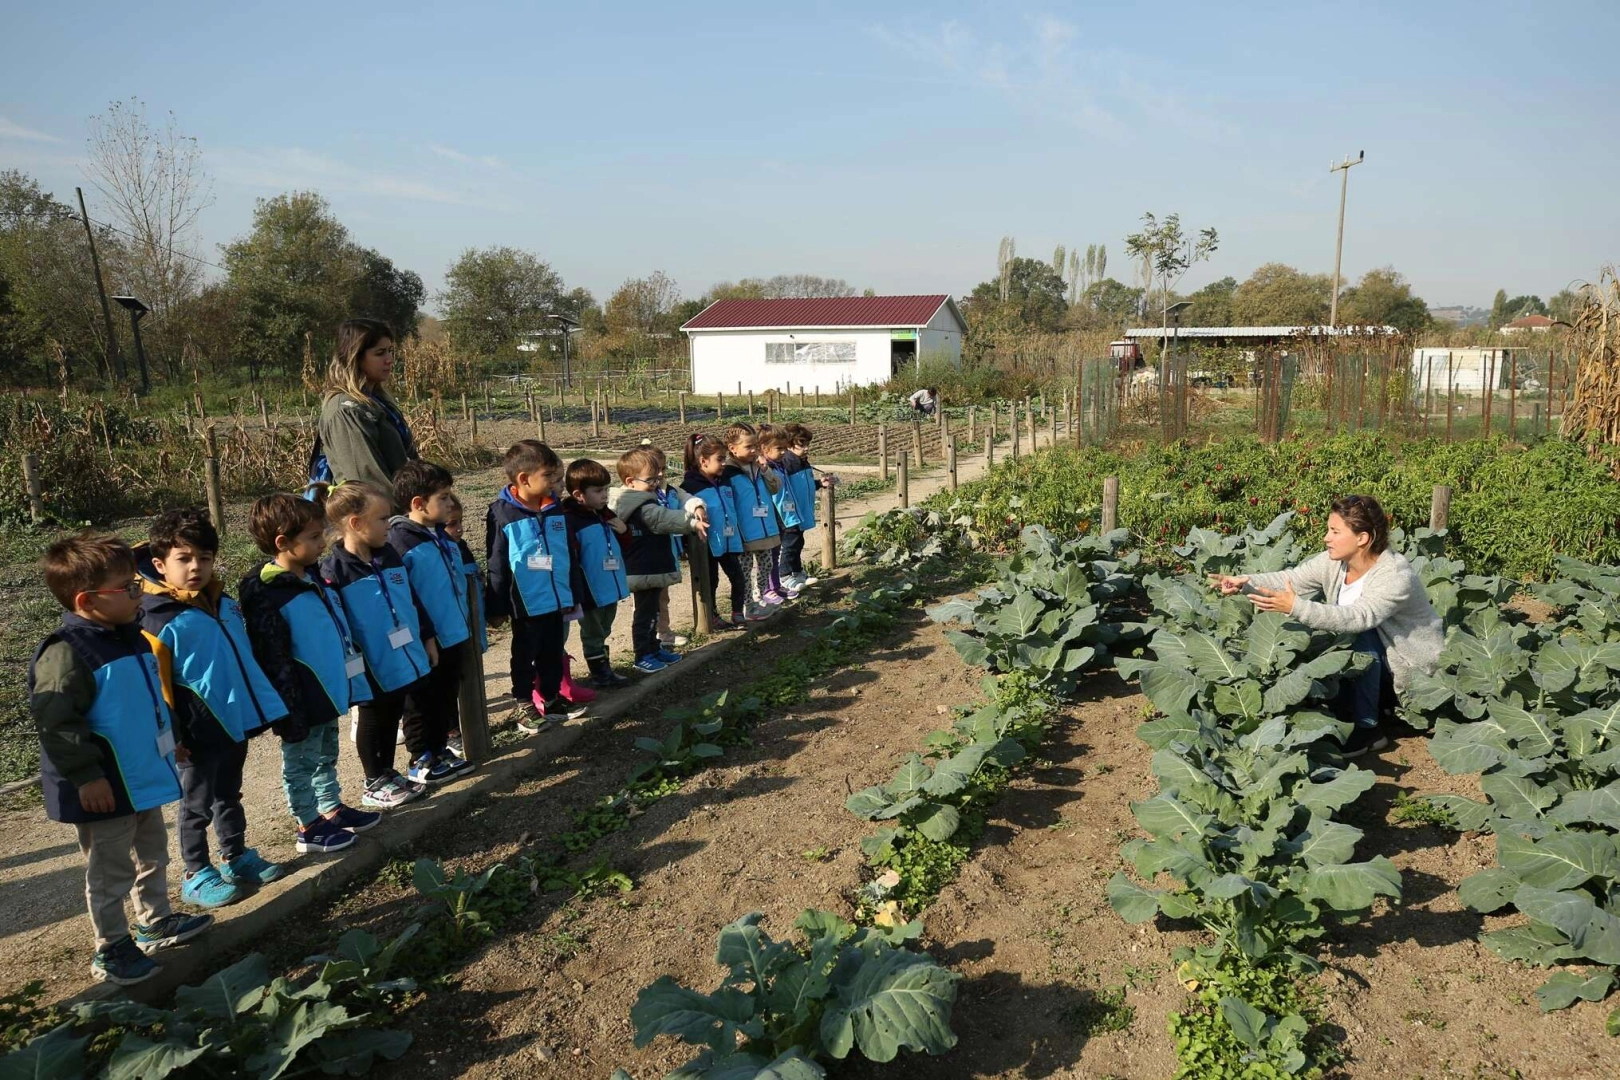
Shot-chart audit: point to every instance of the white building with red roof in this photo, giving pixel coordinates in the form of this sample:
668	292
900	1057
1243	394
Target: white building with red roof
827	342
1530	324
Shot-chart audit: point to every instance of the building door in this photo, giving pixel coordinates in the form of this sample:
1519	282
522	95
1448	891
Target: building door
902	354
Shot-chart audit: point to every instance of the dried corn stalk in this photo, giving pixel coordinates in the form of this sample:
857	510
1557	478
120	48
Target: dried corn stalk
1594	414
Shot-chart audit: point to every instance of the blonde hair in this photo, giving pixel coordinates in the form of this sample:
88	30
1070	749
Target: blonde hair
356	337
632	462
351	498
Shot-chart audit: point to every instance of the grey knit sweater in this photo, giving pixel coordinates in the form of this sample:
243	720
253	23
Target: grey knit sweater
1392	601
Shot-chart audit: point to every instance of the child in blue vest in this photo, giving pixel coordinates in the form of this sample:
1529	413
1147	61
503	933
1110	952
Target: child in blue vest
302	640
221	699
475	579
439	583
705	465
652	564
107	751
392	629
530	581
670	498
799	478
599	578
752	488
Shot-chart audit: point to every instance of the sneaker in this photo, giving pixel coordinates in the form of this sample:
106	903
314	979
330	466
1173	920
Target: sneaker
429	769
250	868
665	657
560	708
675	641
737	621
453	745
122	964
356	821
385	793
757	613
323	837
772	598
412	788
529	717
805	581
1363	739
455	762
603	677
207	889
170	930
647	665
788	592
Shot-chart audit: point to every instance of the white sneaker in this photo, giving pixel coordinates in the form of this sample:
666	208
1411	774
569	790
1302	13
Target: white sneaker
675	641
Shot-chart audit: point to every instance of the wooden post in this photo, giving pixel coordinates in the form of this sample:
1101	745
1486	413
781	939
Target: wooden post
902	485
939	409
990	440
944	432
264	413
697	553
606	417
1110	506
818	395
852	408
1440	507
973	423
801	396
1029	418
829	529
1535	419
36	499
202	414
1513	397
1012	418
1051	420
916	441
596	423
216	504
540	422
770	407
474	707
682	396
950	462
719	405
466	410
883	450
750	404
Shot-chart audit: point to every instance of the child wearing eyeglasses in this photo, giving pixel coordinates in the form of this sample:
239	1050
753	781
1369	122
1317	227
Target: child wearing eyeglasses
650	552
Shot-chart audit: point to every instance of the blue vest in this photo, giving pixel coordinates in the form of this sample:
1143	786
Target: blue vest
725	535
377	602
321	641
752	496
436	577
212	658
802	479
469	567
787	499
601	560
126	720
532	547
670	501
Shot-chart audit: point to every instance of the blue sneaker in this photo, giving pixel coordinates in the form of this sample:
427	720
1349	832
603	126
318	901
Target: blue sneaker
430	769
323	837
207	888
667	657
649	664
122	964
249	868
454	762
356	821
170	930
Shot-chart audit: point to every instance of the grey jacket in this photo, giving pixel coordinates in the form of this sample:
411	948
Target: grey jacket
1392	601
660	521
360	442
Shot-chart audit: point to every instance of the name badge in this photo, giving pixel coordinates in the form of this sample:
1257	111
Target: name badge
354	665
610	564
762	511
165	742
539	562
401	637
729	530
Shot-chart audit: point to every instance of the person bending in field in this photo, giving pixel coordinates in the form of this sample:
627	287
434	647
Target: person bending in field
1363	589
925	401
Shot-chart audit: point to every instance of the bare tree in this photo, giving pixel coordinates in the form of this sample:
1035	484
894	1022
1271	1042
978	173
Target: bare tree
1004	262
154	188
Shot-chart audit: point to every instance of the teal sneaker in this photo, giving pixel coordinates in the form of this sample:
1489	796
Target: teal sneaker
170	930
122	964
207	889
249	868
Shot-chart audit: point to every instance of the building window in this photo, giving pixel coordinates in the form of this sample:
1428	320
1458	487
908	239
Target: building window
809	352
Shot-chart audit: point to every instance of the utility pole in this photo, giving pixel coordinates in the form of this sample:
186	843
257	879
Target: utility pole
115	364
1338	249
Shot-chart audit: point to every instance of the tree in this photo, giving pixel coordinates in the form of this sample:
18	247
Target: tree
1520	306
1212	305
1107	304
1027	295
495	296
1564	306
386	292
1499	310
1167	252
1279	295
154	187
640	315
1383	298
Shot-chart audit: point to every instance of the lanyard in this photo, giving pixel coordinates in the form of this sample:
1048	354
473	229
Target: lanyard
382	584
337	624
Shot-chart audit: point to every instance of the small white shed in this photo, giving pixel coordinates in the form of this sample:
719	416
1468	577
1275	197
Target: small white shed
830	342
1469	369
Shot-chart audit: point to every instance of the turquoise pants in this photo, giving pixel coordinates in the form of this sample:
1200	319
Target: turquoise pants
309	773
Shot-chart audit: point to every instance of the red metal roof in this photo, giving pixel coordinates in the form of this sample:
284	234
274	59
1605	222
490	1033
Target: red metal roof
1530	321
889	311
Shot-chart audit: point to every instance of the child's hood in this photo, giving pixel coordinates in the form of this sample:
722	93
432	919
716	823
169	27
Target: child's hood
158	594
694	482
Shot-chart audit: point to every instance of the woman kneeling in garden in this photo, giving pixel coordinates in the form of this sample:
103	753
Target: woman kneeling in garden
1366	590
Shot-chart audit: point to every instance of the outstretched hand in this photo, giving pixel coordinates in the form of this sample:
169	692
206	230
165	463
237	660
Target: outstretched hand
1278	600
1227	584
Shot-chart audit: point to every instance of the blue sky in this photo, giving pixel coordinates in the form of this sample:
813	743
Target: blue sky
891	145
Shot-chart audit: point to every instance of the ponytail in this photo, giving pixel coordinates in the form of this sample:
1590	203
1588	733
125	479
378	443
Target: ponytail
699	447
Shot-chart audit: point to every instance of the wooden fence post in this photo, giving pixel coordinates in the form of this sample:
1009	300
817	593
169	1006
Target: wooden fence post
216	504
990	440
682	396
818	395
1110	506
1012	416
1029	418
902	484
973	423
801	395
596	423
264	413
466	410
1051	419
605	414
770	407
1440	507
697	551
719	405
36	500
540	421
829	532
916	441
883	450
950	462
473	705
750	403
852	408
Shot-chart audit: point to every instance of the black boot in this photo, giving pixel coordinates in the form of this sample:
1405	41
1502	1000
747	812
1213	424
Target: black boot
603	677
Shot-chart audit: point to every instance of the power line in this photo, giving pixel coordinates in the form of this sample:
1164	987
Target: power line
60	216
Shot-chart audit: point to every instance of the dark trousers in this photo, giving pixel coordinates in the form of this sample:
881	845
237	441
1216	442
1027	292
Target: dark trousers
211	789
732	565
792	551
379	726
644	623
537	656
431	705
1361	700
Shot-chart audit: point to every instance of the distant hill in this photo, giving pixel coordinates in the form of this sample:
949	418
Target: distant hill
1462	315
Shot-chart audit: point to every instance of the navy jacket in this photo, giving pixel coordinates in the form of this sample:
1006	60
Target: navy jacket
599	575
434	565
302	641
123	715
378	603
530	566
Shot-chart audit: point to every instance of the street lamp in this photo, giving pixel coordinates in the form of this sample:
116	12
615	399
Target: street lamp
136	311
568	325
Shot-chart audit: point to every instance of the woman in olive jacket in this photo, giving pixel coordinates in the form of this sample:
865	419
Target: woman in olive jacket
362	433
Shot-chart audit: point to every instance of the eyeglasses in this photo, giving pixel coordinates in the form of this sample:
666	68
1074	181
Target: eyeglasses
132	590
646	479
